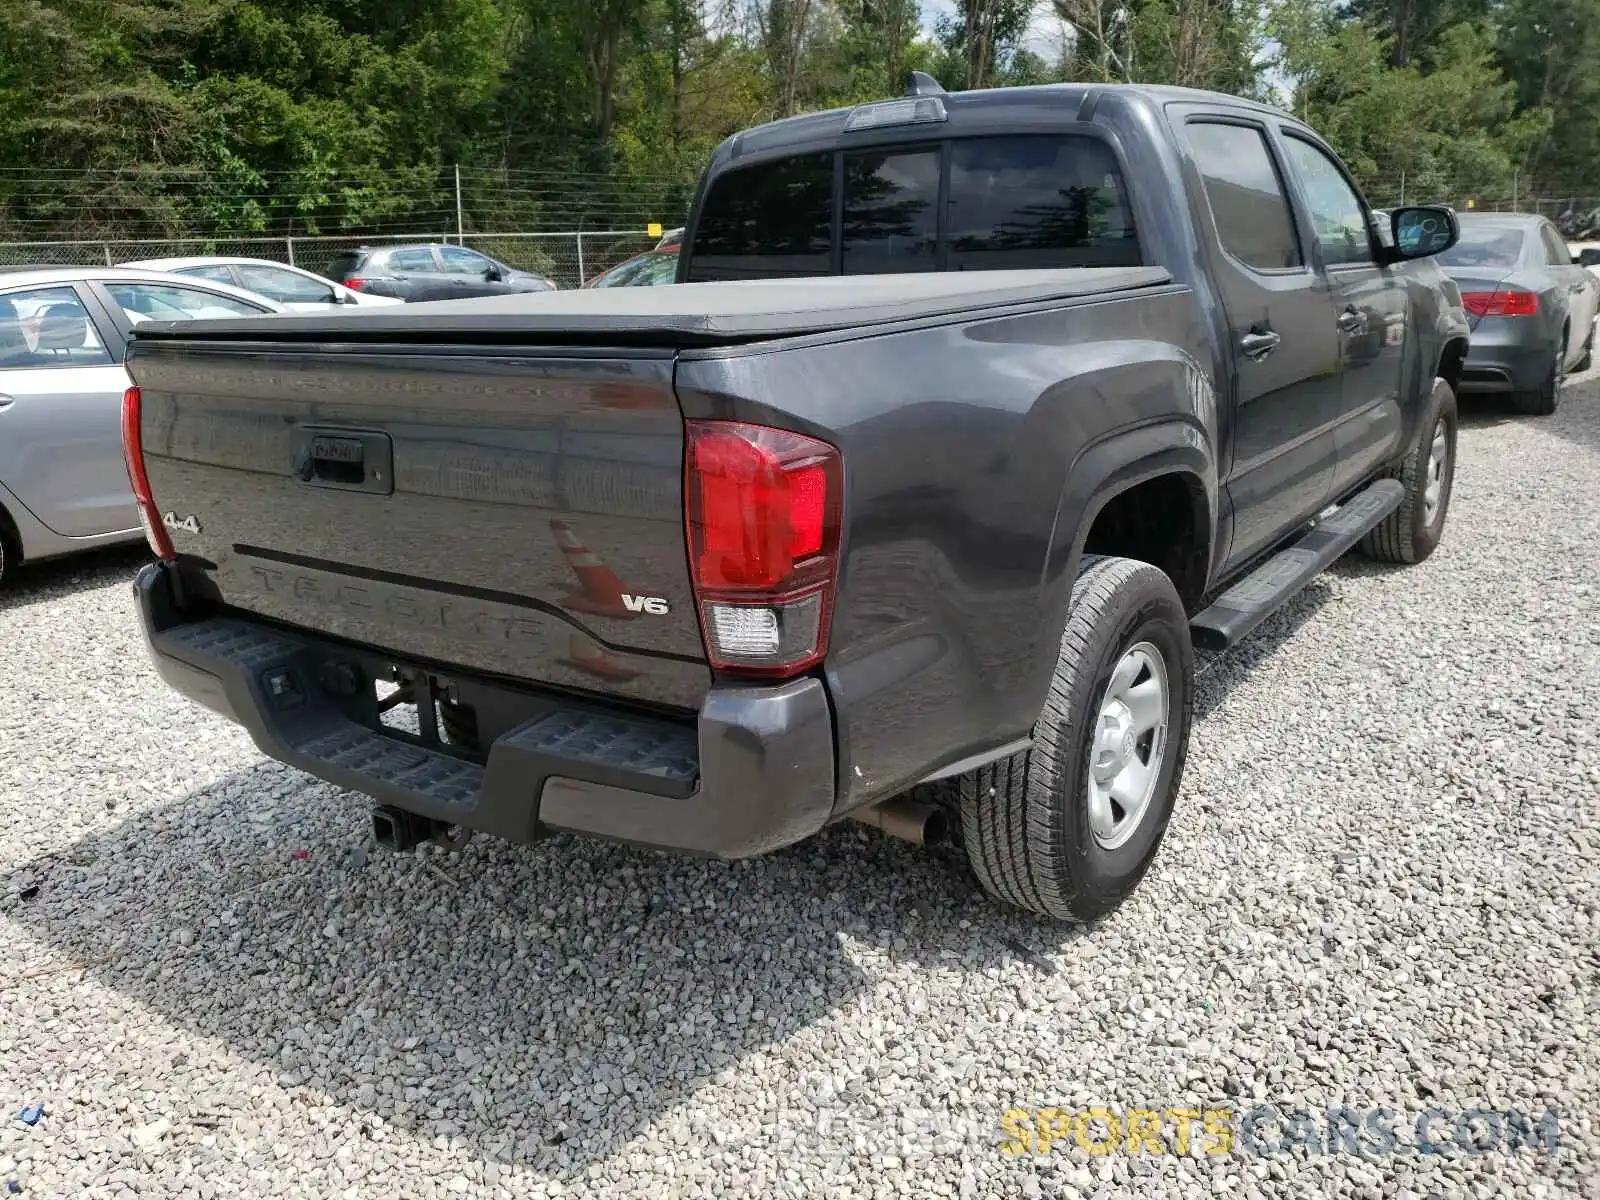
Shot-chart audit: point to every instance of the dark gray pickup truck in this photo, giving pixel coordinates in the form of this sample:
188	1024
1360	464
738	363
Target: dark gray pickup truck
973	415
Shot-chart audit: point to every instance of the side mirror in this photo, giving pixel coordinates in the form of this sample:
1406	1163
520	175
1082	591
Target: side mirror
1421	230
494	275
1588	258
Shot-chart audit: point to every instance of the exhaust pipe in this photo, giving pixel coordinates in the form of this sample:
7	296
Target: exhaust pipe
907	820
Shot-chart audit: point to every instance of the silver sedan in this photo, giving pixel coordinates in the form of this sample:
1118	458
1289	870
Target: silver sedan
63	334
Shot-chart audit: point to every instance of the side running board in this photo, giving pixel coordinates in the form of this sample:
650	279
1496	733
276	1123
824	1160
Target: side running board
1250	601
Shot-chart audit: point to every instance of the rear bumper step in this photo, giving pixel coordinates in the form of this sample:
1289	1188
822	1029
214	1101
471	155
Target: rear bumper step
754	772
1250	601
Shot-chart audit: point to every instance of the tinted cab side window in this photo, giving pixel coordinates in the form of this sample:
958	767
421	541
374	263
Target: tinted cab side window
1248	204
1339	218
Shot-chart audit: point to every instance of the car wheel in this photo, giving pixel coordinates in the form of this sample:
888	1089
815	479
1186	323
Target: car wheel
1068	827
1427	473
1546	398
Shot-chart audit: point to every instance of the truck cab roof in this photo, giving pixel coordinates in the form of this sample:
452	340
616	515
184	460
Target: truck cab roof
990	109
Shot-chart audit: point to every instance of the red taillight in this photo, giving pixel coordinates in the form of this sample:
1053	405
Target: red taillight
1500	303
762	509
356	284
133	454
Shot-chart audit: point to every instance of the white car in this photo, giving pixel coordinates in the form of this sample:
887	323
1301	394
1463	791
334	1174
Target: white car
291	287
64	332
1587	256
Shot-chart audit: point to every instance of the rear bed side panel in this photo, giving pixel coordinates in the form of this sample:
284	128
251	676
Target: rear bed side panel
509	470
958	442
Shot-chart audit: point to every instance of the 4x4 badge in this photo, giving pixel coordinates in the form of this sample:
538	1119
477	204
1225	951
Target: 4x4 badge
189	524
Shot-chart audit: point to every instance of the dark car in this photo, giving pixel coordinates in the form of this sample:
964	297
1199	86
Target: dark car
1531	308
650	269
707	567
431	272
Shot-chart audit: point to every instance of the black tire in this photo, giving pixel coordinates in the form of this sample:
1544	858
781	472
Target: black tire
1025	820
1546	398
10	549
1408	535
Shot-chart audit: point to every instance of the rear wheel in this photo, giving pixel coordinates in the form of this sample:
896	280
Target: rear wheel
1428	471
1546	398
1068	828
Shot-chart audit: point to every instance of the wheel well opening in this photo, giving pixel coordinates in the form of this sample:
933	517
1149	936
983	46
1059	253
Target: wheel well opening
1161	521
1451	362
10	541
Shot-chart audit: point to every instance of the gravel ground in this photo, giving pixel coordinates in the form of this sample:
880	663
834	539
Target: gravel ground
1379	891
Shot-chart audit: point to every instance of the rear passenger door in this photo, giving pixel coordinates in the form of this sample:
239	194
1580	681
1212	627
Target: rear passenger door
1371	303
1281	334
419	275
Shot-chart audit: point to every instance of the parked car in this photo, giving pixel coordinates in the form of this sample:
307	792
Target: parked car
431	272
296	290
650	269
1532	309
63	333
710	566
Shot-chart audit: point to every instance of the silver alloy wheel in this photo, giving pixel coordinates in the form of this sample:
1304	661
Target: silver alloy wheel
1438	463
1130	744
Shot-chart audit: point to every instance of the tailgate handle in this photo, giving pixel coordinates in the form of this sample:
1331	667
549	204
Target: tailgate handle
355	460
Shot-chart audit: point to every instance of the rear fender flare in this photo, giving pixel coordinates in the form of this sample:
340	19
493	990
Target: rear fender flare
1103	471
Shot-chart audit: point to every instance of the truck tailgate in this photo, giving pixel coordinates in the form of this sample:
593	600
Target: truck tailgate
511	512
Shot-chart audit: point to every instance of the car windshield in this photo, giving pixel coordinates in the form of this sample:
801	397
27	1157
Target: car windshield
1484	246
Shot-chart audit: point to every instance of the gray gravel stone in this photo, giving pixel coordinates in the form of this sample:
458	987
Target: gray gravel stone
1379	890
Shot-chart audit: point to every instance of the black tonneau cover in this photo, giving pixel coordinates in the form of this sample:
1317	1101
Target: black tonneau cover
689	314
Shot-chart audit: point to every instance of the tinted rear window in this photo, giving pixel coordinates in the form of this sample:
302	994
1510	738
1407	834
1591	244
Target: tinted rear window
1038	202
770	219
891	211
1012	202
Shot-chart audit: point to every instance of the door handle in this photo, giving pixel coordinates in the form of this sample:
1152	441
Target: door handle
1352	321
1258	343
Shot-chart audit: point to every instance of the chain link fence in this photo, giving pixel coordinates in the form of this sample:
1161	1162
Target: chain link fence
569	258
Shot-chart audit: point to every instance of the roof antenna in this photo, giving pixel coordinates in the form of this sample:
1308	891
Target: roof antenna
920	83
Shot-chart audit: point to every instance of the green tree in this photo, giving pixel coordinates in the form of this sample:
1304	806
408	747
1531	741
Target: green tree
1451	131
